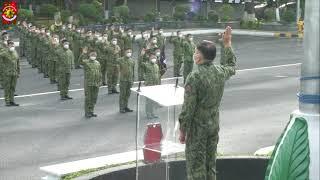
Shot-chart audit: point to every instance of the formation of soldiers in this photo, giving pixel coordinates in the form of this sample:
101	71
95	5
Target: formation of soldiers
105	56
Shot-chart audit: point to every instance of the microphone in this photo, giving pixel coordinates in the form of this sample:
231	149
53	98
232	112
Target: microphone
139	90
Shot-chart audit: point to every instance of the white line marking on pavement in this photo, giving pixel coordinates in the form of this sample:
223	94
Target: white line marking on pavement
166	79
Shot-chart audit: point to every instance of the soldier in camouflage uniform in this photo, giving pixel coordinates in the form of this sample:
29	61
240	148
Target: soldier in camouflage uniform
53	59
189	48
84	54
199	118
10	60
113	68
40	50
142	56
177	53
92	81
45	52
126	65
76	47
129	38
65	65
3	49
102	56
152	77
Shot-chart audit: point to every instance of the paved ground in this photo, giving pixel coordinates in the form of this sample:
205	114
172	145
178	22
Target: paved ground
43	131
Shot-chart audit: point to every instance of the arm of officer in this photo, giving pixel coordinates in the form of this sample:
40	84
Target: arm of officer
190	103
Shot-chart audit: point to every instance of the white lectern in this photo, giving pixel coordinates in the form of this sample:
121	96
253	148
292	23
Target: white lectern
157	132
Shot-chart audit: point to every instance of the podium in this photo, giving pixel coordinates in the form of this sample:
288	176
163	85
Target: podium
157	129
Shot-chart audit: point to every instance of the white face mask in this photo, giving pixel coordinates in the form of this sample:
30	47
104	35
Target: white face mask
191	39
78	31
180	35
129	33
160	32
66	46
100	38
5	42
114	42
129	54
158	54
145	35
11	48
56	40
153	60
43	31
93	58
154	41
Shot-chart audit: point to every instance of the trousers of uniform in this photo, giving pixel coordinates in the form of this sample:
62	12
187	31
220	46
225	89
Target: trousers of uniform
76	53
9	85
103	71
177	63
63	83
91	95
112	76
140	69
201	147
45	66
40	62
52	70
187	69
124	94
34	57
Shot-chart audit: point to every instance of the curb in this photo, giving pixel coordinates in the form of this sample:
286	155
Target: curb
288	35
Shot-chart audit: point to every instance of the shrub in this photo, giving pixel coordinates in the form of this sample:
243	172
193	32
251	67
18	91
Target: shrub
65	14
213	16
47	10
226	11
122	12
90	13
166	18
269	14
250	24
25	14
289	16
181	11
150	17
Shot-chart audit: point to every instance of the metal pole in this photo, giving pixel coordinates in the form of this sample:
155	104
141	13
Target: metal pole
311	64
298	10
309	96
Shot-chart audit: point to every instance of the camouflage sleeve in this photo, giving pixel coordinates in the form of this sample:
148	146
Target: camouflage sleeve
190	103
229	68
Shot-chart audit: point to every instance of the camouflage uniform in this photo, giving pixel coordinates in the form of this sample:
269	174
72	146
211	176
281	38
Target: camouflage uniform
199	118
102	57
142	44
126	81
82	57
10	60
152	75
92	81
113	68
189	48
34	46
76	48
177	54
65	64
2	50
53	62
45	58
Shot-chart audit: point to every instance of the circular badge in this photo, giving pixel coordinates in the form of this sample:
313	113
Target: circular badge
9	13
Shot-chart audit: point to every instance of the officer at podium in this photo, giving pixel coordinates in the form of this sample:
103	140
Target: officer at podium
199	118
